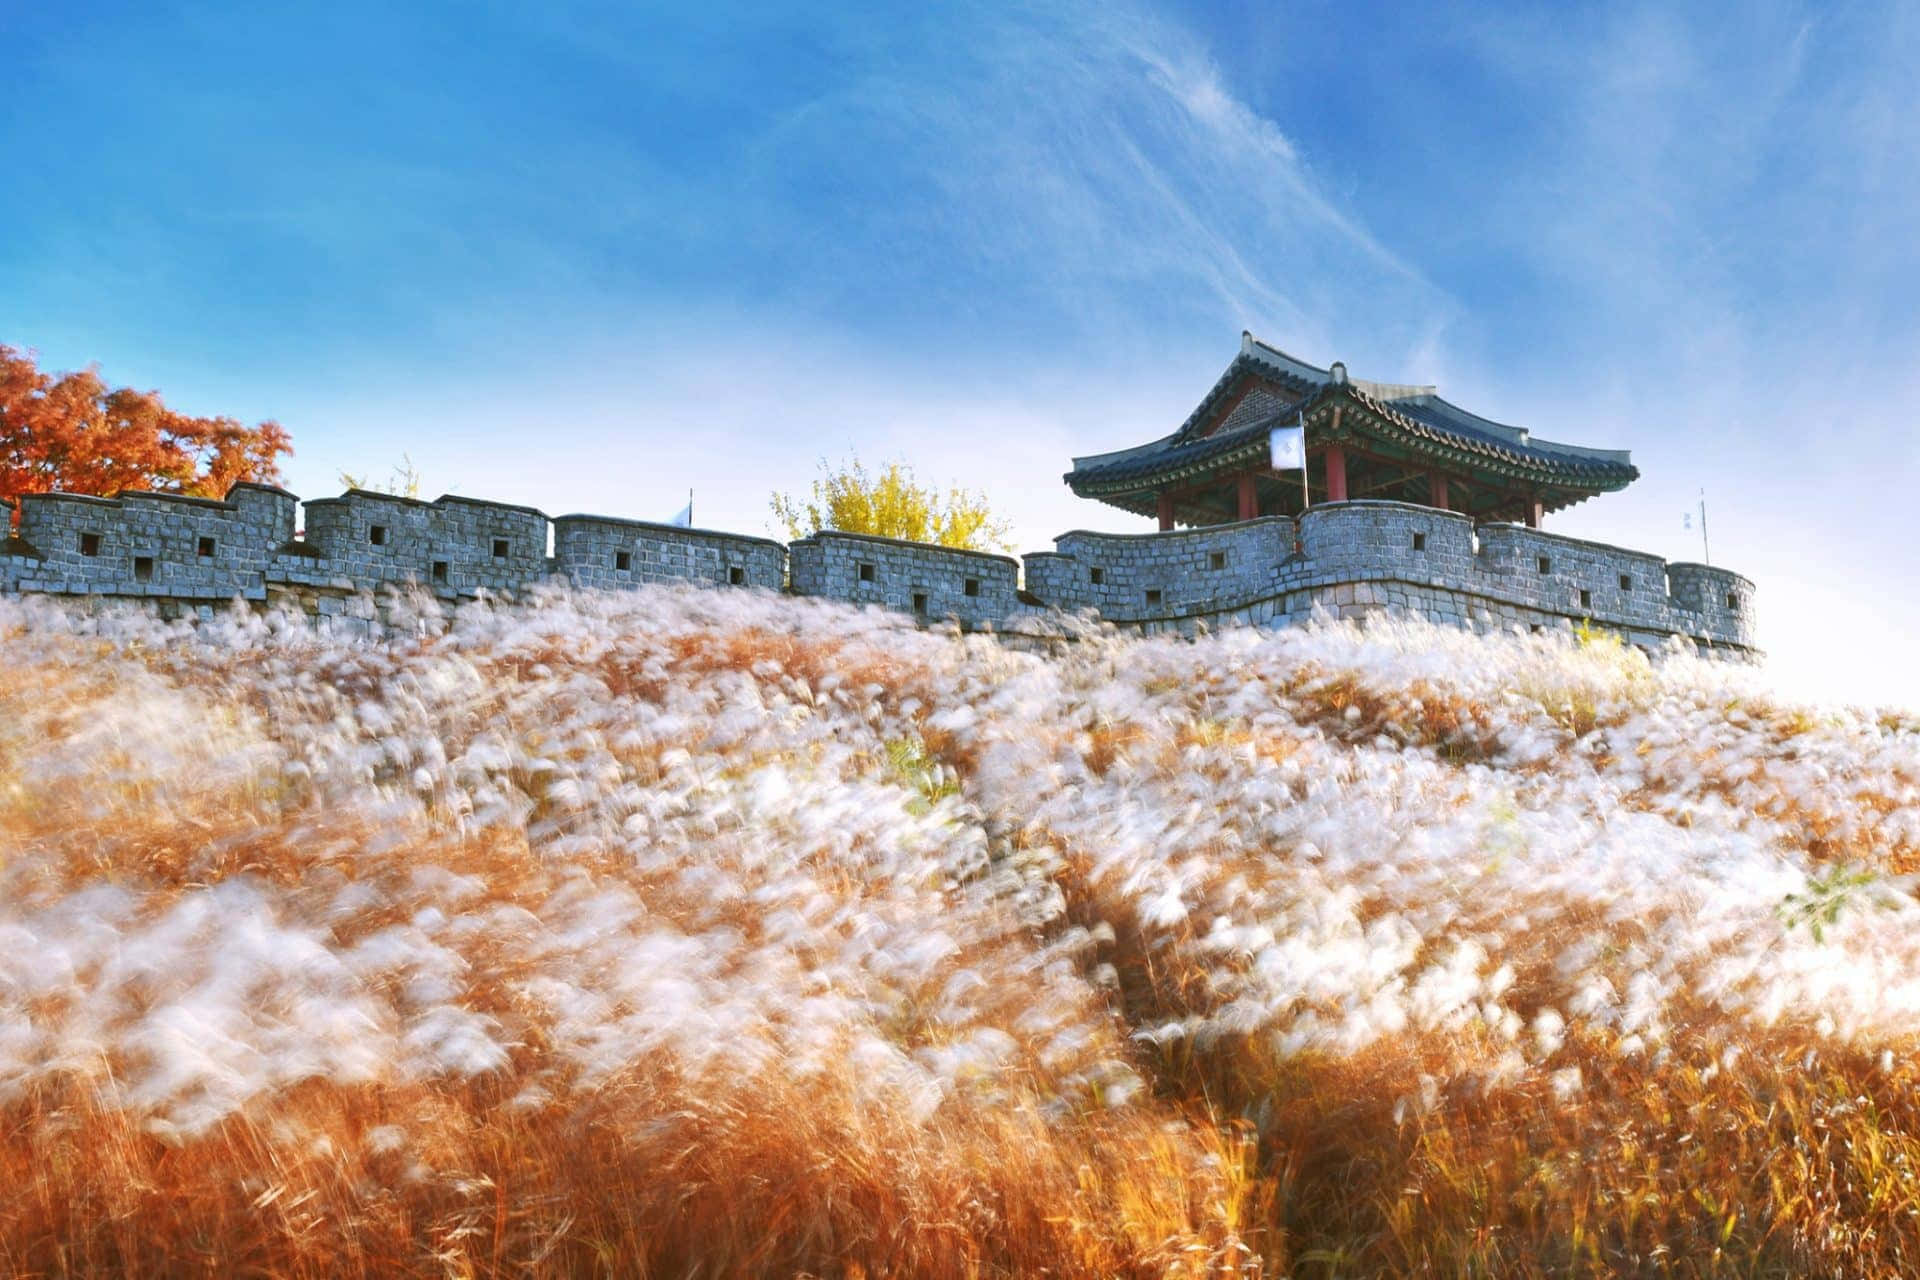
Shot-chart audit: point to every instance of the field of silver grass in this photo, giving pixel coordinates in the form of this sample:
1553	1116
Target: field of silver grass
694	932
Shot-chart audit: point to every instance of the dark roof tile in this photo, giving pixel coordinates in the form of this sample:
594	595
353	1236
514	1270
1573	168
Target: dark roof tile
1417	413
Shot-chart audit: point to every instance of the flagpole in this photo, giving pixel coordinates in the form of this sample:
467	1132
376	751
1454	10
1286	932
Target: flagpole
1706	552
689	506
1277	463
1306	498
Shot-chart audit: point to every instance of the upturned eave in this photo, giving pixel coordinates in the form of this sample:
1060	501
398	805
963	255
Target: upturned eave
1558	476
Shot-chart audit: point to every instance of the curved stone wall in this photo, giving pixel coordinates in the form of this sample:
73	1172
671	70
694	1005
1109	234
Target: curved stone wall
1356	558
1721	598
1523	575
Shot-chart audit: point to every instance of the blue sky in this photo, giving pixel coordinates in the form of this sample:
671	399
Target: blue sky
590	256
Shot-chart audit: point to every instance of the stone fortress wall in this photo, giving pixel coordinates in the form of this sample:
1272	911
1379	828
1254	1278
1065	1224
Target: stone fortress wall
1350	559
976	588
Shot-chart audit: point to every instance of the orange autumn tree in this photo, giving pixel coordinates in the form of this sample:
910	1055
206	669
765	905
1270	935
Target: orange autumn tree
72	432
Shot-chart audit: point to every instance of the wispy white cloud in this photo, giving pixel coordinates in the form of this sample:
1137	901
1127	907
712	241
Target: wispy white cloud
1083	171
1258	145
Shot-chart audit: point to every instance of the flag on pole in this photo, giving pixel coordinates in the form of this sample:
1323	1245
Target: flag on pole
684	517
1289	448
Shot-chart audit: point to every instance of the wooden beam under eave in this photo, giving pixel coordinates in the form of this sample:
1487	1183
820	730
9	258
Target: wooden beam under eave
1280	494
1377	486
1458	466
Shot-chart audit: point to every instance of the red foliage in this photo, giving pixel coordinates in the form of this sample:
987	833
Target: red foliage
72	432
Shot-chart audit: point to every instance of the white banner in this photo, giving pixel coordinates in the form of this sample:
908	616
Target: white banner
684	518
1289	446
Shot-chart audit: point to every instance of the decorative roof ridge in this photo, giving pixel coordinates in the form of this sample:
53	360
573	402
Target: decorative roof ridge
1121	455
1581	451
1522	446
1432	396
1253	354
1428	397
1170	446
1274	357
1399	390
1415	413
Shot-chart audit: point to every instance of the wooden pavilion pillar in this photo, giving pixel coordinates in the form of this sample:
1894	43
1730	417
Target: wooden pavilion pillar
1536	512
1437	490
1249	497
1335	458
1164	500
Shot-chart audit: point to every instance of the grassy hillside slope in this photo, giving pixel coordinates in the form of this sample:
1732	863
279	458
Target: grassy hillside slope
705	933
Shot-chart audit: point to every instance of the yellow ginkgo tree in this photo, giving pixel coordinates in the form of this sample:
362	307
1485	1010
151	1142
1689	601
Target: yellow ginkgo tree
892	504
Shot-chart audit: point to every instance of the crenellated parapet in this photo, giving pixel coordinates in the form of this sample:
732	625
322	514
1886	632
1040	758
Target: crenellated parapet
459	545
1347	559
1353	559
976	588
607	553
150	544
1720	599
1146	577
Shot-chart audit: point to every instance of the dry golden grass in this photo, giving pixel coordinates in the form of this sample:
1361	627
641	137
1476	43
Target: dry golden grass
646	1177
586	939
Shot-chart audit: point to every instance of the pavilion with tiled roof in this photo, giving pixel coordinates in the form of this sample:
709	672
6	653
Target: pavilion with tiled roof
1363	440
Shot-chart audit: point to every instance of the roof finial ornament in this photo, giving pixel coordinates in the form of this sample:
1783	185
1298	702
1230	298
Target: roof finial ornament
1338	372
1246	341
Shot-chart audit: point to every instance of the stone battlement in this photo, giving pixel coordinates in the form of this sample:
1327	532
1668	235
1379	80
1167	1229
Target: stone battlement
1356	558
1351	559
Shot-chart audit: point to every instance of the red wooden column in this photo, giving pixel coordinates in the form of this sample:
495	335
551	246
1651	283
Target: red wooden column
1437	490
1336	462
1165	502
1536	513
1249	497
